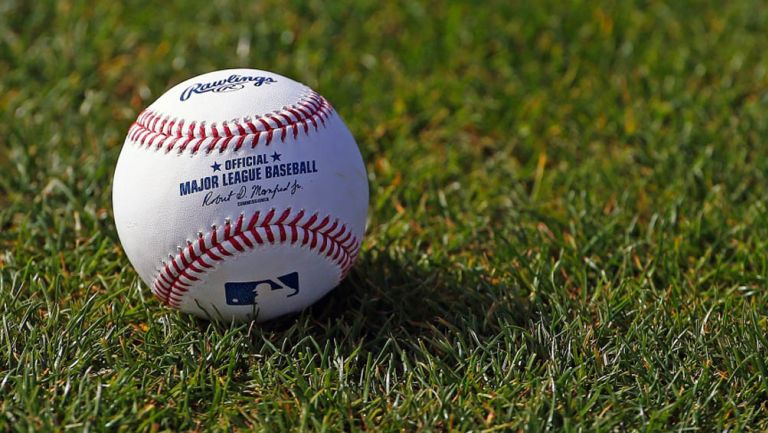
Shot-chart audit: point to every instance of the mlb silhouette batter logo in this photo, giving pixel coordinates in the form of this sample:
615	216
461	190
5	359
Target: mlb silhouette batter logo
246	293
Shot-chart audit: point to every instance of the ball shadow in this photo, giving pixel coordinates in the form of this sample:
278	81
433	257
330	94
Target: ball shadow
386	297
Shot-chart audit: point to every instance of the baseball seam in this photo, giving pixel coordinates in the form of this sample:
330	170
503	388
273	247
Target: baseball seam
328	237
153	130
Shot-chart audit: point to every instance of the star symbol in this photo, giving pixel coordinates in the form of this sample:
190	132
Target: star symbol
275	157
216	166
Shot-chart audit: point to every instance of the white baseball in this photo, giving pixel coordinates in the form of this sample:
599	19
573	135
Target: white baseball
240	195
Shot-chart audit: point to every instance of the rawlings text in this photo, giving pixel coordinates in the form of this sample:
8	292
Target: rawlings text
234	82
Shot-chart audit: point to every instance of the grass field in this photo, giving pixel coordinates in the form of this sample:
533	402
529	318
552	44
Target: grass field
567	227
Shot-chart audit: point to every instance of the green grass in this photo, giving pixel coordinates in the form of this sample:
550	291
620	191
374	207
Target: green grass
568	225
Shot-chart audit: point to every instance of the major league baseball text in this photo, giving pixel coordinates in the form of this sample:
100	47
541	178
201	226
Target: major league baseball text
240	195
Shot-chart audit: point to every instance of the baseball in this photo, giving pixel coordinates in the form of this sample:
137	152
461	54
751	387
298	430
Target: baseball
240	195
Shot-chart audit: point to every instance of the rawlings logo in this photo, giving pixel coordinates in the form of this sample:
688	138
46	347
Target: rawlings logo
234	82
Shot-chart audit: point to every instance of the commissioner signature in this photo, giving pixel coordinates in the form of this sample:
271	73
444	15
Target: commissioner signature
252	194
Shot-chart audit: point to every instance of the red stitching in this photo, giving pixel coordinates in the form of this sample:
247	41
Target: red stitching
329	238
172	133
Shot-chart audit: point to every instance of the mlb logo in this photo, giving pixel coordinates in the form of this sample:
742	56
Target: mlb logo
245	293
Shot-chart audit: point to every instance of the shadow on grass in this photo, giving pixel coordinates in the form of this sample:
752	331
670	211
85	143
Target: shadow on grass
386	297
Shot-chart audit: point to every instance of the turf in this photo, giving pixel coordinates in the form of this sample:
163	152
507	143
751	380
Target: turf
567	227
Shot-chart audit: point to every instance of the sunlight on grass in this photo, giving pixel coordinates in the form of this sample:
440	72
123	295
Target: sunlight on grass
567	228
